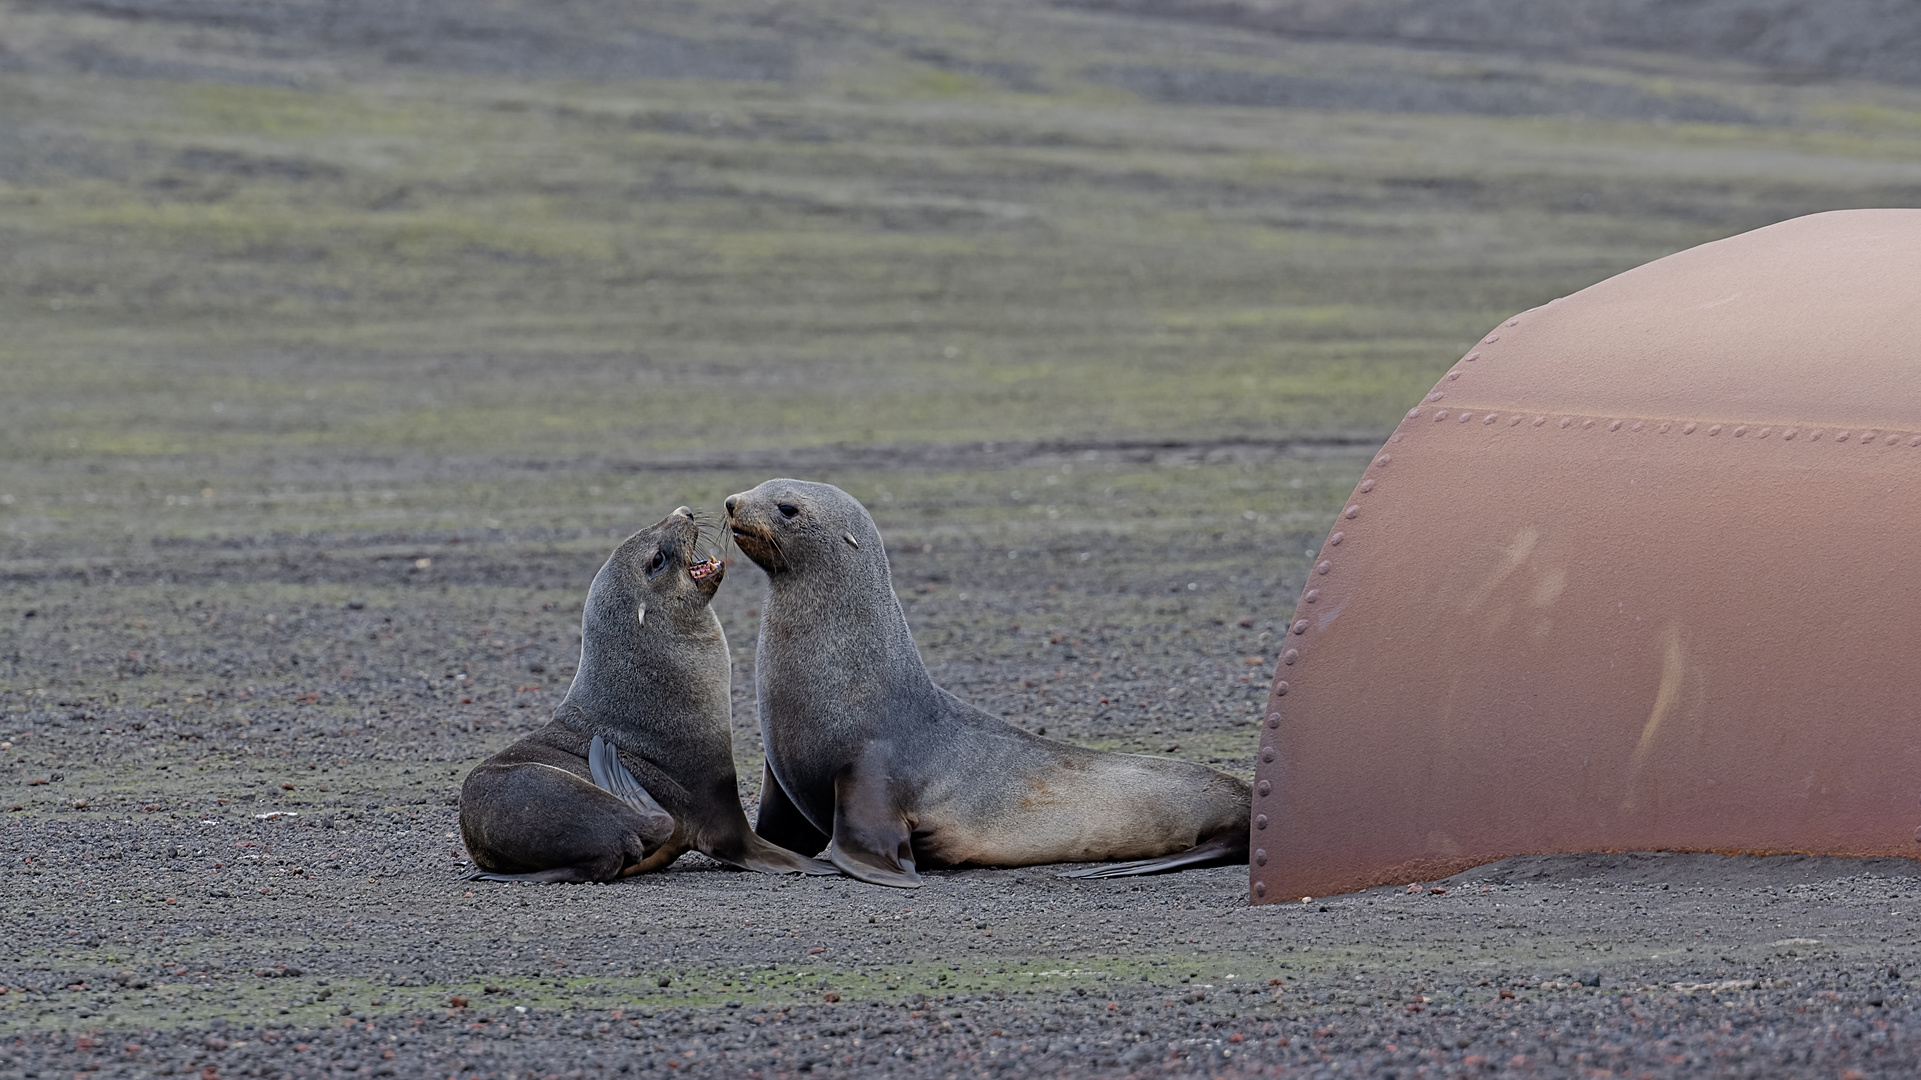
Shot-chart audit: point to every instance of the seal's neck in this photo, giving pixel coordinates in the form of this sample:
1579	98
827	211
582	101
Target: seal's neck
634	671
850	624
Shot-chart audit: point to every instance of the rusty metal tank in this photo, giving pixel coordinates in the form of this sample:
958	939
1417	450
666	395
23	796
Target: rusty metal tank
1642	572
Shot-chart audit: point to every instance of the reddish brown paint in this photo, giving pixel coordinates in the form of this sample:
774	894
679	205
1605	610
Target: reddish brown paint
1642	573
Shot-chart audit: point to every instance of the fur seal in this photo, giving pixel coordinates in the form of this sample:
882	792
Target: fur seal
867	757
650	699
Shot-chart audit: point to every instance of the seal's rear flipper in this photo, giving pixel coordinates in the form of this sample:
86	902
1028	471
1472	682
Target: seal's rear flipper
559	875
1220	851
871	841
613	778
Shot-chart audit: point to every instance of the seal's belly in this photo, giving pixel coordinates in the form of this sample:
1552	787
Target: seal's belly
1127	808
1051	839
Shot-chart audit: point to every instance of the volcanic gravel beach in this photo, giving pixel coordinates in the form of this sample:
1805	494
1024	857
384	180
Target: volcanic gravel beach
254	872
345	338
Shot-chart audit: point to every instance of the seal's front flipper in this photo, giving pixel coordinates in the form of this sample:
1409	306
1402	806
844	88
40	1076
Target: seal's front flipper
763	851
603	760
765	858
871	840
1220	851
780	822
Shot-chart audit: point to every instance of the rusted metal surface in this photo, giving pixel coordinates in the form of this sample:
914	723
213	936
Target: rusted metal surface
1642	573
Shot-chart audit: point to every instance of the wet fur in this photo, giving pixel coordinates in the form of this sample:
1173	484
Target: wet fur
864	750
657	690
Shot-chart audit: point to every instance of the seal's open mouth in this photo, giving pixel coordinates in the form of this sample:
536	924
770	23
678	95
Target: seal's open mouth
701	570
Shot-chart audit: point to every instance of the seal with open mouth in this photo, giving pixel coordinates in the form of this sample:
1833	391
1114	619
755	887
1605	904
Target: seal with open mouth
869	759
637	765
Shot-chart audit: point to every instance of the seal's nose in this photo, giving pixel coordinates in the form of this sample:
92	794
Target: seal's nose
686	512
733	503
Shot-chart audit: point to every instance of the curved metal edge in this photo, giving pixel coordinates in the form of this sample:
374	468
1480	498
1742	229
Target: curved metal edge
1435	409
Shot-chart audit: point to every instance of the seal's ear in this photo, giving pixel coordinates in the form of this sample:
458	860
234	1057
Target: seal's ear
849	537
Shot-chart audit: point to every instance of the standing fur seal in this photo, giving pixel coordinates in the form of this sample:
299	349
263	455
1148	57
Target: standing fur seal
866	756
650	698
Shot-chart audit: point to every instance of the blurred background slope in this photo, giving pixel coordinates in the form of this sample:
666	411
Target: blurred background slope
366	266
1791	40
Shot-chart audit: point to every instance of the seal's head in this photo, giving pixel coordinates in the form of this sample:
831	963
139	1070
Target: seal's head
789	526
658	572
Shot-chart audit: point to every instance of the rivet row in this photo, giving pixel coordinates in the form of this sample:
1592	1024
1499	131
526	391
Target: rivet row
1664	427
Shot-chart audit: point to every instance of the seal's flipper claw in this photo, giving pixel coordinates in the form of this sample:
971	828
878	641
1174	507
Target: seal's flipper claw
1222	851
871	841
613	778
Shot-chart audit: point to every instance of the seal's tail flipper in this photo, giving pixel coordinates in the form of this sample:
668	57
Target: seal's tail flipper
613	778
1220	851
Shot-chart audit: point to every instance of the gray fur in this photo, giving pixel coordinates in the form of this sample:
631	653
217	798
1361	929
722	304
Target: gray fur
655	688
864	749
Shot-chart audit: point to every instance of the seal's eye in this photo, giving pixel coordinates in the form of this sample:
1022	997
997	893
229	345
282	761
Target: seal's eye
787	509
658	564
